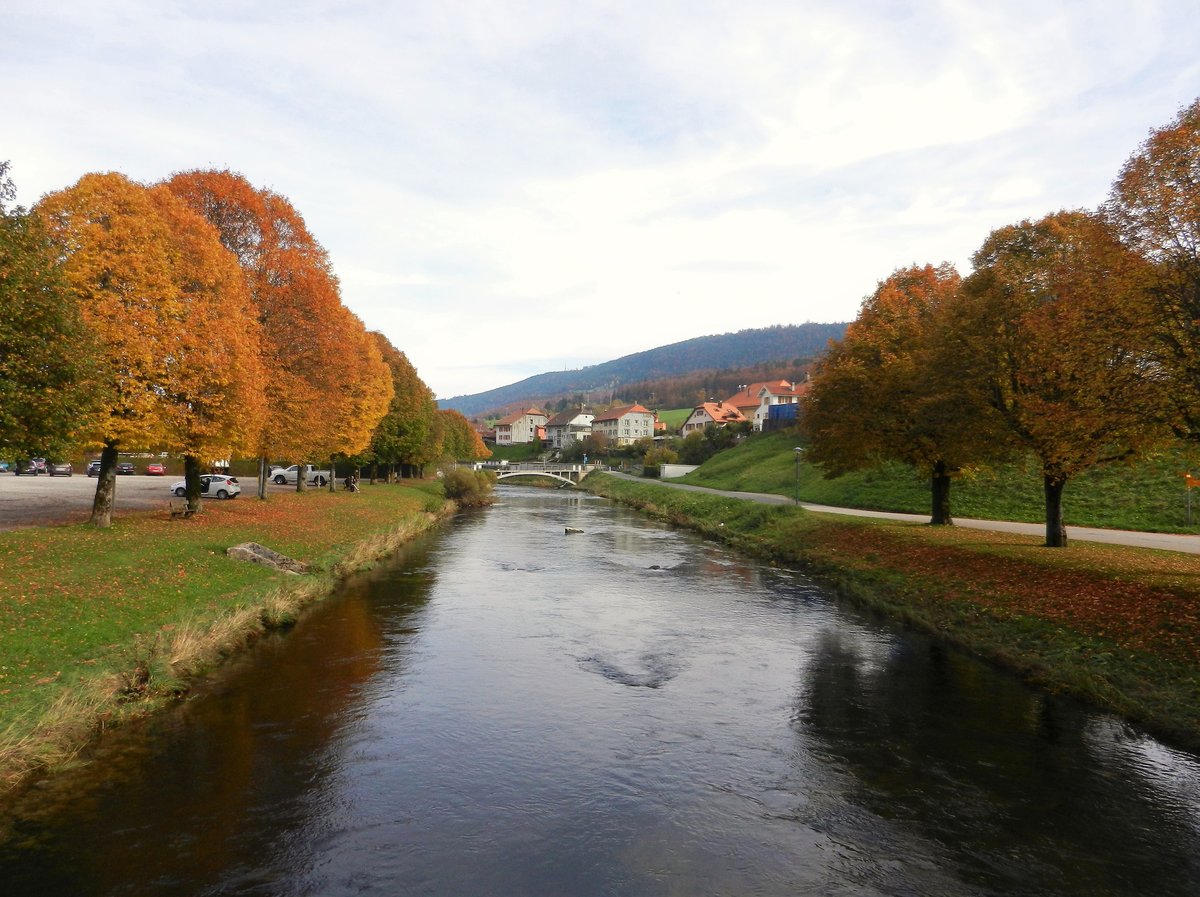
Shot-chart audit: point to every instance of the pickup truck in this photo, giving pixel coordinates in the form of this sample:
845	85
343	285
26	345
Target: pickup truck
287	475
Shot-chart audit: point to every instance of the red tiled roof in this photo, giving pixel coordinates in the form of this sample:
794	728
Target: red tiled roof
748	397
617	413
516	416
721	412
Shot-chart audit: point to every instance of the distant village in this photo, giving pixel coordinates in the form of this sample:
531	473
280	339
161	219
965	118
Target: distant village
767	405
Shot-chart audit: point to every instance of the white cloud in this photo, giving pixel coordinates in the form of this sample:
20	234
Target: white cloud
502	185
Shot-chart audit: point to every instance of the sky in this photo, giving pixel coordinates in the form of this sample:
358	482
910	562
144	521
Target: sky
508	187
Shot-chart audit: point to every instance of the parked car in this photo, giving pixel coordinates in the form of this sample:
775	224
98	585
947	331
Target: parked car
60	469
93	469
286	476
125	467
211	484
4	466
30	467
156	470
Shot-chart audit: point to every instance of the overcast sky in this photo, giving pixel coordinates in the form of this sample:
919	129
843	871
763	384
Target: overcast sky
512	187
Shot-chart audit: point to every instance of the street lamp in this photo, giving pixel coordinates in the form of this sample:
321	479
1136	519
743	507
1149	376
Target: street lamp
799	451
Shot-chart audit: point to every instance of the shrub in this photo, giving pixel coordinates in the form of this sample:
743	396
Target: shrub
469	488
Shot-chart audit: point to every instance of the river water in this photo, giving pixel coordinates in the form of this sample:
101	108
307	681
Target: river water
506	709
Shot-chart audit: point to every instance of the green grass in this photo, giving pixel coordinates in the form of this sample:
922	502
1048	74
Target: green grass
1148	496
522	451
675	418
81	609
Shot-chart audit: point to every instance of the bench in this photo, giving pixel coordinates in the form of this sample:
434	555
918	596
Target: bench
181	509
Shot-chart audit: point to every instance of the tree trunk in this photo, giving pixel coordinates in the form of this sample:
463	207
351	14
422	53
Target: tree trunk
332	475
301	477
1056	530
940	482
191	482
106	487
374	471
263	470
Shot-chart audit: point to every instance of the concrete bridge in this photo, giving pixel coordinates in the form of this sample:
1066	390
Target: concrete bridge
567	474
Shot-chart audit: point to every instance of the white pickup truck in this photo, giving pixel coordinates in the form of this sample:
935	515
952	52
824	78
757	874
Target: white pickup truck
287	475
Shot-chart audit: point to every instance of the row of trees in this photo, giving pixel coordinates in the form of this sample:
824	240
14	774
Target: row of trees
197	316
1076	338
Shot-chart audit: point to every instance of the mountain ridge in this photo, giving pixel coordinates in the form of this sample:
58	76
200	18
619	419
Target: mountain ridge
743	348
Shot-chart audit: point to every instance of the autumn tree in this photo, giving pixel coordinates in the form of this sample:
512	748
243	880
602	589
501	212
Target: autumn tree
46	352
364	391
460	440
297	305
1056	321
215	389
893	389
406	433
156	289
1155	207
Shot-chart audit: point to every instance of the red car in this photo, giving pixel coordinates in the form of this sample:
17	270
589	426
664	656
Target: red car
156	470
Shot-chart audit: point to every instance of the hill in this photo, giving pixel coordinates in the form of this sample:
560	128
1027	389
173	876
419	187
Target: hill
791	344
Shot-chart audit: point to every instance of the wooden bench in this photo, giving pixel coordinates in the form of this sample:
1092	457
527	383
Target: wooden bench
181	509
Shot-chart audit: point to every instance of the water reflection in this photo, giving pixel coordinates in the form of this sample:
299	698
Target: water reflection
1034	793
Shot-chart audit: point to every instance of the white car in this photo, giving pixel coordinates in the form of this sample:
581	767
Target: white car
214	485
286	476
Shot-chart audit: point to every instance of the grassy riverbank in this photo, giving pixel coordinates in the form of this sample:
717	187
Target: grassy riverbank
1117	626
1147	496
96	625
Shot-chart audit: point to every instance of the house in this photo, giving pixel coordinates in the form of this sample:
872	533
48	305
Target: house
756	399
520	427
568	426
626	424
709	413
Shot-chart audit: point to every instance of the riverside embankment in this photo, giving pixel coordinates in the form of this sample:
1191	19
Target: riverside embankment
1117	626
97	626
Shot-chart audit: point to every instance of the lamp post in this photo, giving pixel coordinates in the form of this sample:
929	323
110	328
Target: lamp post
799	452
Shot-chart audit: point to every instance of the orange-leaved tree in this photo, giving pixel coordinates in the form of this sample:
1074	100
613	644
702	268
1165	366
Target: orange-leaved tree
1056	321
216	387
1155	206
133	259
363	392
295	299
893	389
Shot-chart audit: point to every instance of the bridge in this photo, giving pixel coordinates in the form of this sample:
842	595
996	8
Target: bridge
567	474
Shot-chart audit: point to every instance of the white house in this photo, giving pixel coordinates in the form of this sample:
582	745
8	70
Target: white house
626	424
755	400
568	426
522	426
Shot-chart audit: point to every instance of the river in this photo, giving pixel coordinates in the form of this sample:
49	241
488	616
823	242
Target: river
507	709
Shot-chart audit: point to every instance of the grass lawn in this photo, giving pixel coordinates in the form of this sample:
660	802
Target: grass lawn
1118	626
674	419
99	616
1148	496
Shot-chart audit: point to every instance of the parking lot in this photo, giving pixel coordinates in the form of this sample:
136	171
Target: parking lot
44	500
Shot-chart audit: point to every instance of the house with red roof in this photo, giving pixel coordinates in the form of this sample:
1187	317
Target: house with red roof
523	426
712	413
754	401
625	424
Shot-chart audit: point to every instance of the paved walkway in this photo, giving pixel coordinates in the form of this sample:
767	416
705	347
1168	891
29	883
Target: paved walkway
1161	541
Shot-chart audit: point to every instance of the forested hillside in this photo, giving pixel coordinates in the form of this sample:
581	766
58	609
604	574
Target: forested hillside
790	346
